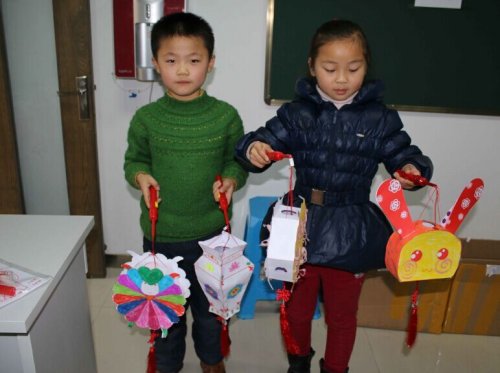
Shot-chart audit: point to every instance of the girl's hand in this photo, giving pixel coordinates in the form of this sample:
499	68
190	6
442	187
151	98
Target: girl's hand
409	169
144	181
227	186
257	154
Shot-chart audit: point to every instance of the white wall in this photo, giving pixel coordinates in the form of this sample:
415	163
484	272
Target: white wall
461	146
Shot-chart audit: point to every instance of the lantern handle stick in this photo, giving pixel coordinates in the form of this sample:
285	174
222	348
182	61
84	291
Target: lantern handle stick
418	180
224	205
153	213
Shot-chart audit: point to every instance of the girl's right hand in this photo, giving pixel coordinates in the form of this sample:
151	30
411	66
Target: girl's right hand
144	181
257	154
409	169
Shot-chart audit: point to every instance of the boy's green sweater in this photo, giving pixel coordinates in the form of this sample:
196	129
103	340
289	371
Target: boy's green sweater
184	145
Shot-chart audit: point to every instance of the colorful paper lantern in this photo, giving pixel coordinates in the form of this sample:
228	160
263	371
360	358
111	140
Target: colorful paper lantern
422	250
223	273
151	291
285	247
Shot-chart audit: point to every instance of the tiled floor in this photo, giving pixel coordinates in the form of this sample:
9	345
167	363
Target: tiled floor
257	345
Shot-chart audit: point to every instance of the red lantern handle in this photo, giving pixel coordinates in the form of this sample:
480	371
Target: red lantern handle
224	204
153	204
278	156
415	179
153	212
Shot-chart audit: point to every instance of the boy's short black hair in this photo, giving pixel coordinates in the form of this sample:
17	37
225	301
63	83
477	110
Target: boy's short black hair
182	24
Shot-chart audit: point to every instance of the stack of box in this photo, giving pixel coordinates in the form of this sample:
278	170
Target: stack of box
468	303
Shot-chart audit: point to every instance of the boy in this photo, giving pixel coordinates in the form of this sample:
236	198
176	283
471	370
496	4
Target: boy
180	143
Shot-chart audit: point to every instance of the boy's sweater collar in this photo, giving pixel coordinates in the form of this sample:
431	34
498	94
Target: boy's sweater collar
198	103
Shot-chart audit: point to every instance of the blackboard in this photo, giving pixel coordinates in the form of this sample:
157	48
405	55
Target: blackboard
430	59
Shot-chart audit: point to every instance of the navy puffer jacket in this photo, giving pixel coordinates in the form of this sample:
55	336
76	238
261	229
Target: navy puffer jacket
338	151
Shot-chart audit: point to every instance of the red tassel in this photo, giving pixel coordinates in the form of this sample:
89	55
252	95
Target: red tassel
411	332
290	345
225	341
151	355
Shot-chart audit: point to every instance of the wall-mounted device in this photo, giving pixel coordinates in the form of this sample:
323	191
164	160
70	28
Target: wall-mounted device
146	14
133	21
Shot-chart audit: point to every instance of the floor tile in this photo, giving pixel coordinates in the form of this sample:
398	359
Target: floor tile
98	289
434	353
257	344
119	348
362	358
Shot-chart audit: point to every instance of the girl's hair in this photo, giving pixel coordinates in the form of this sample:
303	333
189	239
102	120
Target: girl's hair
338	29
182	24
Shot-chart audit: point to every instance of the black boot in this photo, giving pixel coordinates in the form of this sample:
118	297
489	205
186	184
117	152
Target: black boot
300	364
323	370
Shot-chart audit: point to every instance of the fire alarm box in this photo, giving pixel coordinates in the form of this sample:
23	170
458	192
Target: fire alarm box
132	22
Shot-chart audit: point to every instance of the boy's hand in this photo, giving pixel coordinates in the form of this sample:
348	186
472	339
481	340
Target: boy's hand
144	181
257	154
227	186
409	169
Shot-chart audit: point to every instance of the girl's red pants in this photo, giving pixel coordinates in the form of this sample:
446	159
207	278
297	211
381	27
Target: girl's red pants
340	292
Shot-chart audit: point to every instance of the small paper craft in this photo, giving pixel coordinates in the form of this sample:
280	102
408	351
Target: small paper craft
16	282
421	250
286	251
151	291
223	273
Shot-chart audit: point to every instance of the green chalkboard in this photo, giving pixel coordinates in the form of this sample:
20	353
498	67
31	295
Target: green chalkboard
430	59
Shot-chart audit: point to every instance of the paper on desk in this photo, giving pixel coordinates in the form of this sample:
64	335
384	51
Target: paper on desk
21	278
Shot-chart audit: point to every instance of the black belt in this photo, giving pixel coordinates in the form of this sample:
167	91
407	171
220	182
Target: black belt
326	198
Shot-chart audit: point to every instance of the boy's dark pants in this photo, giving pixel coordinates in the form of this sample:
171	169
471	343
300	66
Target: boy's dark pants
206	329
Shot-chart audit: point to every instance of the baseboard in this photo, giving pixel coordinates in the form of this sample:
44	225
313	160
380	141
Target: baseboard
116	261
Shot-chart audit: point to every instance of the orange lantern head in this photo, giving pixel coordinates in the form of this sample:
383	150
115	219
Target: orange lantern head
429	252
421	250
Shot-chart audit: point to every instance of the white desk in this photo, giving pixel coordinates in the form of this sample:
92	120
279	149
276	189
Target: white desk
48	330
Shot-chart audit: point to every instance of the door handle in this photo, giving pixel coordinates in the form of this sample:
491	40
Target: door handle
83	96
82	91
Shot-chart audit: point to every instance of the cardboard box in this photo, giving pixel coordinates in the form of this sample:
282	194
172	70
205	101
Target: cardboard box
469	303
385	302
474	303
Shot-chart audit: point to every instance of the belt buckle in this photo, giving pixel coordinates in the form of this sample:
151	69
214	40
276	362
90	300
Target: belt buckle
317	197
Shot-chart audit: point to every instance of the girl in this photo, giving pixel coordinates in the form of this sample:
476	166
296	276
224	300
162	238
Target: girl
338	131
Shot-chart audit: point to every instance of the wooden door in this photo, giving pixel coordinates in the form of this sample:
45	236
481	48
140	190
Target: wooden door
11	200
74	62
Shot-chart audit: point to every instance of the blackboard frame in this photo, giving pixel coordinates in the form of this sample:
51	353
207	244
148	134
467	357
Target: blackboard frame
490	82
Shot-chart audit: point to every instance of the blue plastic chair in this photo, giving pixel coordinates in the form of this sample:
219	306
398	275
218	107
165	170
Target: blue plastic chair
258	288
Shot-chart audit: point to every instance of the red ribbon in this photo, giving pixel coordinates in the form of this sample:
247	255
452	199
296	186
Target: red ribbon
290	344
151	368
283	295
411	332
225	340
